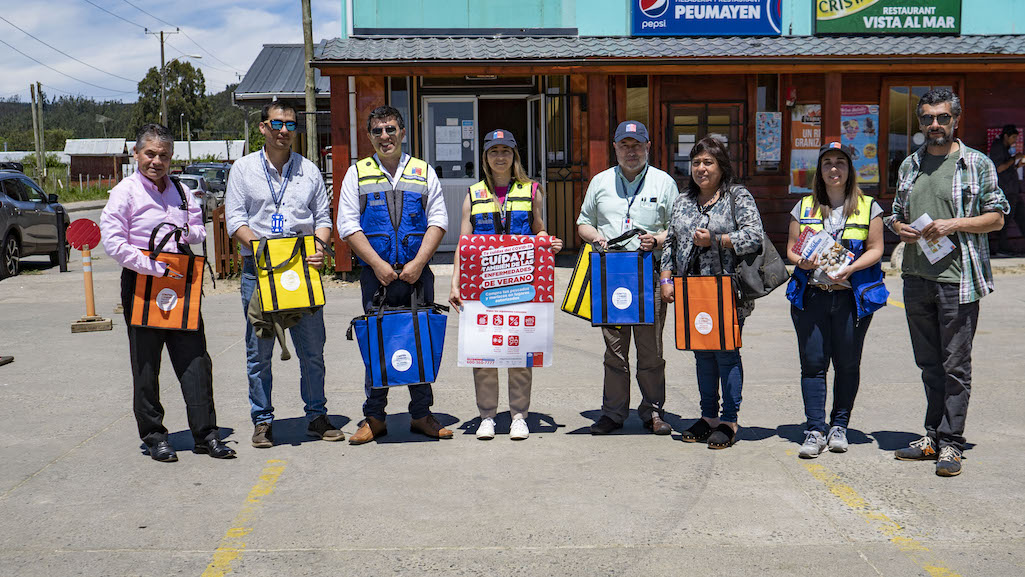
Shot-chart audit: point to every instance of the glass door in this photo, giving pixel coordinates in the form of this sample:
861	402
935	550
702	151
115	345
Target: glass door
450	146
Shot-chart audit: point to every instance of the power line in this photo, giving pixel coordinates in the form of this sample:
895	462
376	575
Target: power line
65	53
162	21
198	62
119	17
210	54
2	41
79	93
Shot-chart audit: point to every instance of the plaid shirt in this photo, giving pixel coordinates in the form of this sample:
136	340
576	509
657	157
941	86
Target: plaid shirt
974	191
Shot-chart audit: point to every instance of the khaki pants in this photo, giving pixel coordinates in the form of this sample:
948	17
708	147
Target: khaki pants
485	381
651	368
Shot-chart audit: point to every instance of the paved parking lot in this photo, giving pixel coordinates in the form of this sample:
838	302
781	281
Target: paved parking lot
77	497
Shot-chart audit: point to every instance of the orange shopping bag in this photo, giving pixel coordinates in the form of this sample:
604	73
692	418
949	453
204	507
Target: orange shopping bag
165	302
706	313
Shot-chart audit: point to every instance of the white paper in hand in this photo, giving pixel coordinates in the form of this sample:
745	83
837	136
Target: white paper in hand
934	250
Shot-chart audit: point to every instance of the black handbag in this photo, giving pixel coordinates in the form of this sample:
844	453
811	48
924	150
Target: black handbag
759	273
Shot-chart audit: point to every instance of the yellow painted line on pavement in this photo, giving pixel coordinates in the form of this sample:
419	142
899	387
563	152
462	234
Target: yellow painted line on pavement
914	549
234	541
895	303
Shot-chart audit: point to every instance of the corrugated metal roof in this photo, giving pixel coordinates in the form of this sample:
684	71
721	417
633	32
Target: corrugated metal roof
29	156
208	147
96	146
279	70
556	49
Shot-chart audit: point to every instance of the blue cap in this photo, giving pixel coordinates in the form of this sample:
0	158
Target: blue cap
499	136
631	129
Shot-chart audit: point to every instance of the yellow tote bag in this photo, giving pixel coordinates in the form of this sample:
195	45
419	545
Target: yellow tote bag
285	281
577	301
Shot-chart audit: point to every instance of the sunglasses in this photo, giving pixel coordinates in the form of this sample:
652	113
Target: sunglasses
291	125
943	119
378	130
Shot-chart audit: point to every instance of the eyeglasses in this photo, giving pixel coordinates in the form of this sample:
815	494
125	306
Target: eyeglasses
291	125
943	119
390	129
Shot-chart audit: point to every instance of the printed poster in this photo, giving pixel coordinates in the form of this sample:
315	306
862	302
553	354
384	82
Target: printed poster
806	134
859	129
769	134
507	284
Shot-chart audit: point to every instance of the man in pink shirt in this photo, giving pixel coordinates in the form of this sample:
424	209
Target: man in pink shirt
139	204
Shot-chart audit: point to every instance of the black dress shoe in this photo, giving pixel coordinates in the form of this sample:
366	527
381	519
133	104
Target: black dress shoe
162	451
604	426
215	448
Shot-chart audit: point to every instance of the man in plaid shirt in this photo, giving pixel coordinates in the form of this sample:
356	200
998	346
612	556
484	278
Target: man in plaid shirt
956	186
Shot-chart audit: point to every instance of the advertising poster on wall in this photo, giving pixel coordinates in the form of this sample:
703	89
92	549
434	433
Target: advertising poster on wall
859	129
706	17
507	284
769	134
806	134
888	17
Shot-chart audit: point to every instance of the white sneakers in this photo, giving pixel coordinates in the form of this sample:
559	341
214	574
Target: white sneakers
813	445
517	432
486	430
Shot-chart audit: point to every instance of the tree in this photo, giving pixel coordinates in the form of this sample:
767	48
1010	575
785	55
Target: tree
185	93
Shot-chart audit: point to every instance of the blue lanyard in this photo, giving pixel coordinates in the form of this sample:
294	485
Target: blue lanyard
277	198
620	179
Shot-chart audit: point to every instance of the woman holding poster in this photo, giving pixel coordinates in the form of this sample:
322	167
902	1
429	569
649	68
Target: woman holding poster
507	201
833	292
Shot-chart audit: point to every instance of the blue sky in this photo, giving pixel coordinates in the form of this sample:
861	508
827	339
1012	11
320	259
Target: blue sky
229	34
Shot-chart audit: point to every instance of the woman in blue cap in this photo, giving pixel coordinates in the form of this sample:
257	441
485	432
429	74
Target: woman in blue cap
507	201
832	306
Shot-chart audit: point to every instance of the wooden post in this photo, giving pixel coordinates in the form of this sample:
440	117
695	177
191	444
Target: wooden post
831	108
42	135
312	147
340	154
35	133
598	137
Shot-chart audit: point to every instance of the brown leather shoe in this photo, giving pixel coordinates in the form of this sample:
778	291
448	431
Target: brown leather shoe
657	425
431	427
369	430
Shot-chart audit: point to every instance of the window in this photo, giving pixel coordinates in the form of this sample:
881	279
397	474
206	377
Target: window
16	190
767	91
690	123
557	120
904	134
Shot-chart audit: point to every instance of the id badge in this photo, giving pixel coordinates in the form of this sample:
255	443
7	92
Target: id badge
277	223
627	225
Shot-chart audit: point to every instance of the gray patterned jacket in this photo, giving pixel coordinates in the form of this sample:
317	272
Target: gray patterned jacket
687	216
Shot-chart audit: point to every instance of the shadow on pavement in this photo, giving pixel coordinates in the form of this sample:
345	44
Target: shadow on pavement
398	429
893	440
292	431
536	422
182	440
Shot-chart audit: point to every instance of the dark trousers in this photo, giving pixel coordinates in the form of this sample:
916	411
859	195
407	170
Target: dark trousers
828	331
192	365
1017	215
421	397
942	331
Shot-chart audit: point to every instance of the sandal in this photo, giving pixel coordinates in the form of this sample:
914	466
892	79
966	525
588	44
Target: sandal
697	433
724	436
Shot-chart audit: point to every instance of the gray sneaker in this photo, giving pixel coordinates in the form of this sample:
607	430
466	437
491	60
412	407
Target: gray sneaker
813	445
837	439
949	463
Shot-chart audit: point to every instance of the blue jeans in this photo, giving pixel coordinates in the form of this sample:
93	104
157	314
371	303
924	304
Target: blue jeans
828	330
421	397
720	367
308	338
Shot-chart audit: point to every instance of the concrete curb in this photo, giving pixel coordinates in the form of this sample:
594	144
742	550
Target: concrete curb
83	205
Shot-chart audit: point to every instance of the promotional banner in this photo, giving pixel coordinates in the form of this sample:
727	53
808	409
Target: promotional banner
706	17
887	17
507	284
860	130
769	135
805	131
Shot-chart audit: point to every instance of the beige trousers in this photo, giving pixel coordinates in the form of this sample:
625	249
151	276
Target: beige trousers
651	368
485	381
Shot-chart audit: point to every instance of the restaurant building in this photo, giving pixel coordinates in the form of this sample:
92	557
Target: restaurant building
773	78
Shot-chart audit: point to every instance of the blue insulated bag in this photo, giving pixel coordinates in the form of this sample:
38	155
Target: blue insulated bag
622	286
401	345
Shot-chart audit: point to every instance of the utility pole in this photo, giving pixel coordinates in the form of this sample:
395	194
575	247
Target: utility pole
42	135
312	150
189	124
163	75
35	132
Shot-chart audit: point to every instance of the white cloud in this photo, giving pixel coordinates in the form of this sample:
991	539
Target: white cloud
234	31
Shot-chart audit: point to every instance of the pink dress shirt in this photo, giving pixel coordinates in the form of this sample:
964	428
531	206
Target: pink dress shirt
134	209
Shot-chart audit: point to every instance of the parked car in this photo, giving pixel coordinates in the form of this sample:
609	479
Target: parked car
215	173
28	222
208	199
11	165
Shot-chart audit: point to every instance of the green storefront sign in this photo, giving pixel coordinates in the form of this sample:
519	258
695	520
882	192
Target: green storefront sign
887	16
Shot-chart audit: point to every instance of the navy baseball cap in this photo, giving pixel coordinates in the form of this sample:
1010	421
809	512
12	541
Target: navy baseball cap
499	136
631	129
841	148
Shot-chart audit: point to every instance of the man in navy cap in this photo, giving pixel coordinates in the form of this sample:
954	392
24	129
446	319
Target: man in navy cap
627	196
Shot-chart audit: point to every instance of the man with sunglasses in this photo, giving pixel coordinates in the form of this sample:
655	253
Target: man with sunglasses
392	213
272	193
945	191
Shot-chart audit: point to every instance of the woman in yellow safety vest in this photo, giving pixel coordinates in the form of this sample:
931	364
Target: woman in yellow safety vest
832	305
507	201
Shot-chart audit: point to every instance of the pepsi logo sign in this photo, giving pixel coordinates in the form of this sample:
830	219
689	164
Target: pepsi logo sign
653	8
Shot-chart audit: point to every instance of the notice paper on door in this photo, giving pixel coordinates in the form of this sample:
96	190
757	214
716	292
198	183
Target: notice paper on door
934	250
